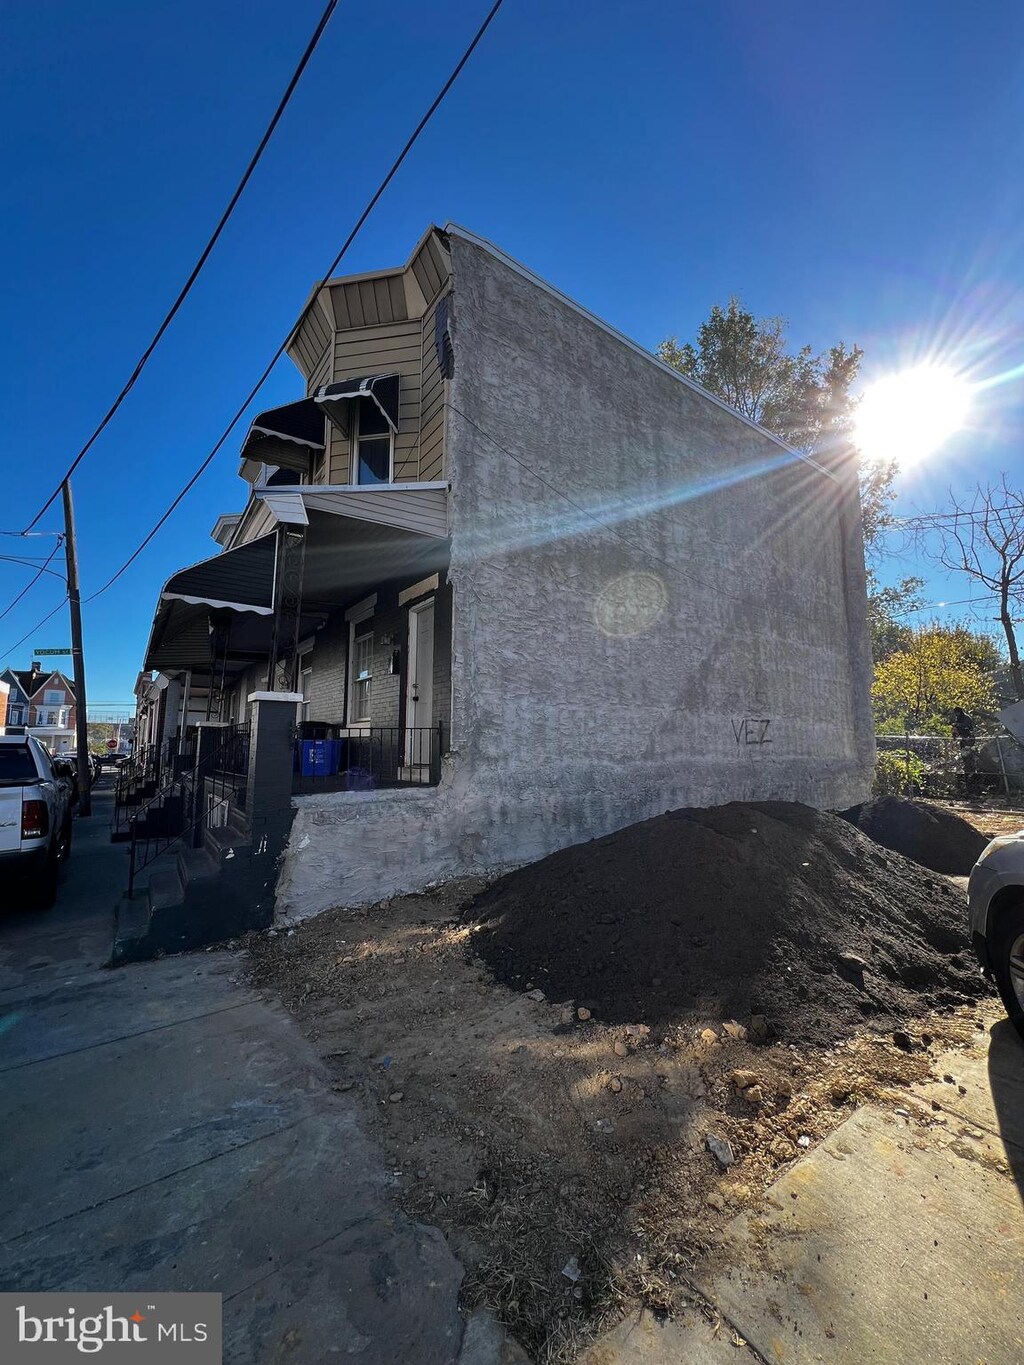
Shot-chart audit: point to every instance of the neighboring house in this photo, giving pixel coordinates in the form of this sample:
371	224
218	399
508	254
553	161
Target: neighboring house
5	693
530	583
41	703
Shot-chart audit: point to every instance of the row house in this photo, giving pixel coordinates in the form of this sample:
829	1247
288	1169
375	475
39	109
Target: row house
41	702
518	583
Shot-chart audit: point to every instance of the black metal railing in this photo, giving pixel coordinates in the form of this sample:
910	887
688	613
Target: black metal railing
225	769
380	756
197	799
135	780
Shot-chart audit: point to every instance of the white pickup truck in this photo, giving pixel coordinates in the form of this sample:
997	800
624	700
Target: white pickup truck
35	822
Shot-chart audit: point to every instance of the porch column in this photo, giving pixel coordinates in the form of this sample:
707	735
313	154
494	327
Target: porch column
268	803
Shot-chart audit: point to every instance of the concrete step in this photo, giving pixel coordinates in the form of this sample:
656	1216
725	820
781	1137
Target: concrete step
132	917
165	890
225	841
196	865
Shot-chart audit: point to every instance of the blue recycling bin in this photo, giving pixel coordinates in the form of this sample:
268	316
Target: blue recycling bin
313	757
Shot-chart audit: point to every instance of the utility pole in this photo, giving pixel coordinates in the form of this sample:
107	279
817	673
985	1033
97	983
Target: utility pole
78	658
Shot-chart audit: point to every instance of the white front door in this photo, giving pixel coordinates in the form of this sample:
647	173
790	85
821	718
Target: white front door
419	686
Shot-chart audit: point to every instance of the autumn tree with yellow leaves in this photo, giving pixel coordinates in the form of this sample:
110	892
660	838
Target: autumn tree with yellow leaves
916	688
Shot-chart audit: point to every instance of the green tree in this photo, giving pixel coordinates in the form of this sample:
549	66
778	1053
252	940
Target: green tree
887	609
803	398
916	688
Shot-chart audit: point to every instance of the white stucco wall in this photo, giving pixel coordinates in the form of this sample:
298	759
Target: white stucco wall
609	666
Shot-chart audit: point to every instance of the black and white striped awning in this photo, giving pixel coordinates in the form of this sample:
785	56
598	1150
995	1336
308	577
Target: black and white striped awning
240	580
382	389
285	436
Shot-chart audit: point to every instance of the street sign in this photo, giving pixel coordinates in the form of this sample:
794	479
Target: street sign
111	743
51	651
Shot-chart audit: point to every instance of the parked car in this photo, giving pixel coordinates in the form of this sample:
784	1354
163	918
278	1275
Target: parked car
996	898
67	770
35	818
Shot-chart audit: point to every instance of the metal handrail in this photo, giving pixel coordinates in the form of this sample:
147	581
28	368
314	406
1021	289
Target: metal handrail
226	767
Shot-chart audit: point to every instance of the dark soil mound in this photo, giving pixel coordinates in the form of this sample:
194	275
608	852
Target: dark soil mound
730	912
933	837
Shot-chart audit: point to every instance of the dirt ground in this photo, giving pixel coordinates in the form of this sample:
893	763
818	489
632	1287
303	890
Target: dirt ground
990	821
932	835
566	1159
766	910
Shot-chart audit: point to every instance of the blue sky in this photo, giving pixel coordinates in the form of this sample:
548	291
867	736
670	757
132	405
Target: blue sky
854	168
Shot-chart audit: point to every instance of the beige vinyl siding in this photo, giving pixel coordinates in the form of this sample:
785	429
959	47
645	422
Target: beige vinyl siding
361	326
392	348
432	267
311	342
431	461
321	371
371	302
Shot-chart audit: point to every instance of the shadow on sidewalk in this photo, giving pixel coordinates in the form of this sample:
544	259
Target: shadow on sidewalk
1006	1077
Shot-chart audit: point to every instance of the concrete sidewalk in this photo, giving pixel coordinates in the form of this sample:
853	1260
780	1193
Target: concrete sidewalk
899	1240
165	1128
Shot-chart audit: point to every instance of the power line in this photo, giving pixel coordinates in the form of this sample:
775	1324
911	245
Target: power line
5	654
197	268
395	166
33	581
930	606
965	514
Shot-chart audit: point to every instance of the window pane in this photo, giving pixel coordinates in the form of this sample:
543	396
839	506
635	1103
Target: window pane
372	421
16	764
362	675
361	700
374	461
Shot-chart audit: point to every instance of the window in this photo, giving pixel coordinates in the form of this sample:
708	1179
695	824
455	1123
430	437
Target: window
360	672
54	698
359	679
371	444
14	715
304	669
16	765
45	717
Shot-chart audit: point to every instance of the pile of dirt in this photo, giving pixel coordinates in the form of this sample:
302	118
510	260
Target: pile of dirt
931	836
541	1142
757	912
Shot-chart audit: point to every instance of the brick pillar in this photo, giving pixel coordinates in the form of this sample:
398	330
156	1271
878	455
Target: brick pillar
268	803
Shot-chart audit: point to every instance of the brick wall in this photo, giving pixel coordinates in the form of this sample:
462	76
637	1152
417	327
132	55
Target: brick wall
390	633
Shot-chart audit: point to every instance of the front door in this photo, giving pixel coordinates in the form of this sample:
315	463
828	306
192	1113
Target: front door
419	687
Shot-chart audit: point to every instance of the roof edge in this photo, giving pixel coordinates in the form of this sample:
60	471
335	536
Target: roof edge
362	275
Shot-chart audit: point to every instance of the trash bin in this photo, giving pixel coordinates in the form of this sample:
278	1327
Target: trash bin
313	757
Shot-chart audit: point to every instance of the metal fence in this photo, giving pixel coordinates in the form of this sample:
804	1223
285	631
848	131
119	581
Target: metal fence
935	766
197	799
328	758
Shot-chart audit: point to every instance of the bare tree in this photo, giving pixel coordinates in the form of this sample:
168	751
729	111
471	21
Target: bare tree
984	539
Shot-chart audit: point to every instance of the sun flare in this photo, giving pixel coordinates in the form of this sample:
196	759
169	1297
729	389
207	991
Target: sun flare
907	416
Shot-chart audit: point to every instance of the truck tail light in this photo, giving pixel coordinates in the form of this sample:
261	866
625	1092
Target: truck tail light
35	820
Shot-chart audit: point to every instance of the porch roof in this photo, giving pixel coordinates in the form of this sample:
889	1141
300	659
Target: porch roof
356	539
